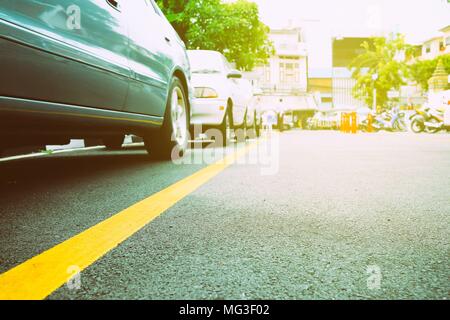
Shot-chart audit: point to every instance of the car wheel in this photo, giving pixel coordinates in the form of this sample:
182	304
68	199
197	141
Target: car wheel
114	142
243	134
171	140
226	128
280	123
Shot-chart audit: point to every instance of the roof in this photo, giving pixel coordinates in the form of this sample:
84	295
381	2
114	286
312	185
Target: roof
445	29
432	39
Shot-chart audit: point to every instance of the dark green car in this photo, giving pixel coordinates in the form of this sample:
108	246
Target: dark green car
92	69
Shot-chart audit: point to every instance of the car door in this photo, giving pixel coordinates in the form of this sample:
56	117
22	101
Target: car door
150	59
73	52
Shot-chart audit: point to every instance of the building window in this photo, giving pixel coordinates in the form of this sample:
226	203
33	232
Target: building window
289	72
427	49
447	41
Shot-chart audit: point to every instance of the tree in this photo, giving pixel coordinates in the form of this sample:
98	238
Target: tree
183	14
245	37
421	71
231	28
386	59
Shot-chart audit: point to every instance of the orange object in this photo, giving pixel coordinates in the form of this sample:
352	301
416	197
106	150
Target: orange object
354	123
369	123
347	123
344	122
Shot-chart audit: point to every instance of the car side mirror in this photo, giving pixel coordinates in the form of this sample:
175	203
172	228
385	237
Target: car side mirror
234	74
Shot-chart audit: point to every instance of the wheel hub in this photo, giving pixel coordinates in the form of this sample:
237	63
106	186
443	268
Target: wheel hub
179	116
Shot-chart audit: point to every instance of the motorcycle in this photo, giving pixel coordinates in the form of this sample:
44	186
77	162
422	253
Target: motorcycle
427	120
393	121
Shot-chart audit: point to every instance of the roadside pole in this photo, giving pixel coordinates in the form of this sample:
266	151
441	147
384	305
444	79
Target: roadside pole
374	106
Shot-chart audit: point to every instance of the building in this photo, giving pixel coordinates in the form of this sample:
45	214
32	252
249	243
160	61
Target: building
437	46
345	50
446	36
287	70
283	81
320	84
430	49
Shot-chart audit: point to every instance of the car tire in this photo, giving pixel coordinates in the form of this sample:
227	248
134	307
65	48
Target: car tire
114	142
171	140
280	123
226	128
243	135
253	131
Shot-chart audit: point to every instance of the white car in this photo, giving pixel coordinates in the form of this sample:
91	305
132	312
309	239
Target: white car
222	97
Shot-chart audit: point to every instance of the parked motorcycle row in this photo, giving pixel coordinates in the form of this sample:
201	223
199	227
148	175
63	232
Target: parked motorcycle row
427	120
393	120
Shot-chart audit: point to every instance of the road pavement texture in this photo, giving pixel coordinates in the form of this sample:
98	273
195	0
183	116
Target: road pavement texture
345	217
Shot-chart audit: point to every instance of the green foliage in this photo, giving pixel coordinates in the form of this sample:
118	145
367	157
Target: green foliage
421	71
231	28
381	58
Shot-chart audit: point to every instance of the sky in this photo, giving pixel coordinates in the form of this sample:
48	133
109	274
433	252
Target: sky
322	19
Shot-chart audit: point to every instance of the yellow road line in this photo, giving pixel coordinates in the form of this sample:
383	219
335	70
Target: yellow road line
43	274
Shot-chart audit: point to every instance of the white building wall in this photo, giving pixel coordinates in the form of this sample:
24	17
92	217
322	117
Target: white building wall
291	52
437	46
431	49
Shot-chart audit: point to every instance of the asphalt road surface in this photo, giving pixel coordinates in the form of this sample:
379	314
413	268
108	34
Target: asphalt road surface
334	217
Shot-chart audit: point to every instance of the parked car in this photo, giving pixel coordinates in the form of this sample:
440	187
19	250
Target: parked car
90	69
222	96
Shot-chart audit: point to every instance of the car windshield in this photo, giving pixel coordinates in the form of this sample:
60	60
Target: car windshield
205	62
